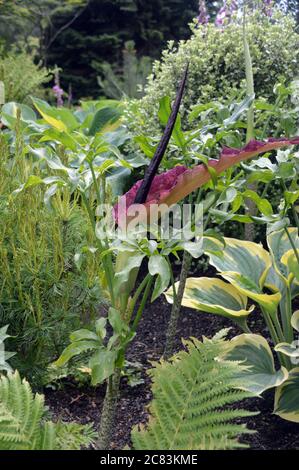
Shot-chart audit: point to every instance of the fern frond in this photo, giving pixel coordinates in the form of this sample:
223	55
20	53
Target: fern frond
22	426
191	393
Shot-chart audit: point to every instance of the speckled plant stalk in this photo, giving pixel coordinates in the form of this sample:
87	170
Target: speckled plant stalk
251	210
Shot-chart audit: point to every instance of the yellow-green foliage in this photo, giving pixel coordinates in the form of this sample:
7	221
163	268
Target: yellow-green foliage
43	295
22	424
217	66
189	410
21	76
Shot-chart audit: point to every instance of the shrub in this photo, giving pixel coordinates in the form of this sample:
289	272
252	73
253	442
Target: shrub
217	69
21	76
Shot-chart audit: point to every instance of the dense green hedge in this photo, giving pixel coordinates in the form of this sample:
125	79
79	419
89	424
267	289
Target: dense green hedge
217	68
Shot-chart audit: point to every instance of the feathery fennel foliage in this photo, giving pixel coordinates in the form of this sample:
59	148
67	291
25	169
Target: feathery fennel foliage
22	424
191	392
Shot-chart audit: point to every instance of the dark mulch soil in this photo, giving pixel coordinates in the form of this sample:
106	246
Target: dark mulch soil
84	405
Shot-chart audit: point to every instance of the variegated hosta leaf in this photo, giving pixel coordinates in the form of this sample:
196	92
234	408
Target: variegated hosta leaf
290	350
279	244
287	398
254	352
289	260
213	295
245	265
295	320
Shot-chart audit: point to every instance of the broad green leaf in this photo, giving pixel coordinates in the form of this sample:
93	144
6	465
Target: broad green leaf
61	114
127	267
254	353
9	112
279	244
83	334
290	350
147	148
116	321
248	259
245	286
289	259
263	205
213	295
245	265
43	109
295	320
239	110
164	113
287	398
158	265
74	349
102	365
101	327
104	120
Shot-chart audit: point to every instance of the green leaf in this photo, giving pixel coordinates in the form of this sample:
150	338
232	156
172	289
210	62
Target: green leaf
290	350
102	365
116	321
254	352
163	114
239	110
158	266
74	349
10	111
145	145
295	320
104	120
83	334
101	327
45	111
213	295
287	398
245	265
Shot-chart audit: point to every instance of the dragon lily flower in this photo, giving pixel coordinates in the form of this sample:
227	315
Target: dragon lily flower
174	185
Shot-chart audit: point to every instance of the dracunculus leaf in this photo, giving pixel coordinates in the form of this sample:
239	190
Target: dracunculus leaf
174	185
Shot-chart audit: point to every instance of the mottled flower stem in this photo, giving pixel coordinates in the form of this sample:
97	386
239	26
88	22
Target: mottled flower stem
109	412
176	307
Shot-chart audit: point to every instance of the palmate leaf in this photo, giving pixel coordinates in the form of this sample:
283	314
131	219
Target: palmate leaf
188	411
22	425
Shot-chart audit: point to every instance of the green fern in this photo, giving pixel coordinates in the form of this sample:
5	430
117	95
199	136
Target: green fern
22	426
189	410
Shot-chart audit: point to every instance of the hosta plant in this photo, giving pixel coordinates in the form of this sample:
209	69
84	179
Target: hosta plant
270	280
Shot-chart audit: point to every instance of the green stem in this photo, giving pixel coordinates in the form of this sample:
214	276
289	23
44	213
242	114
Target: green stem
286	314
267	317
136	296
295	215
142	305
